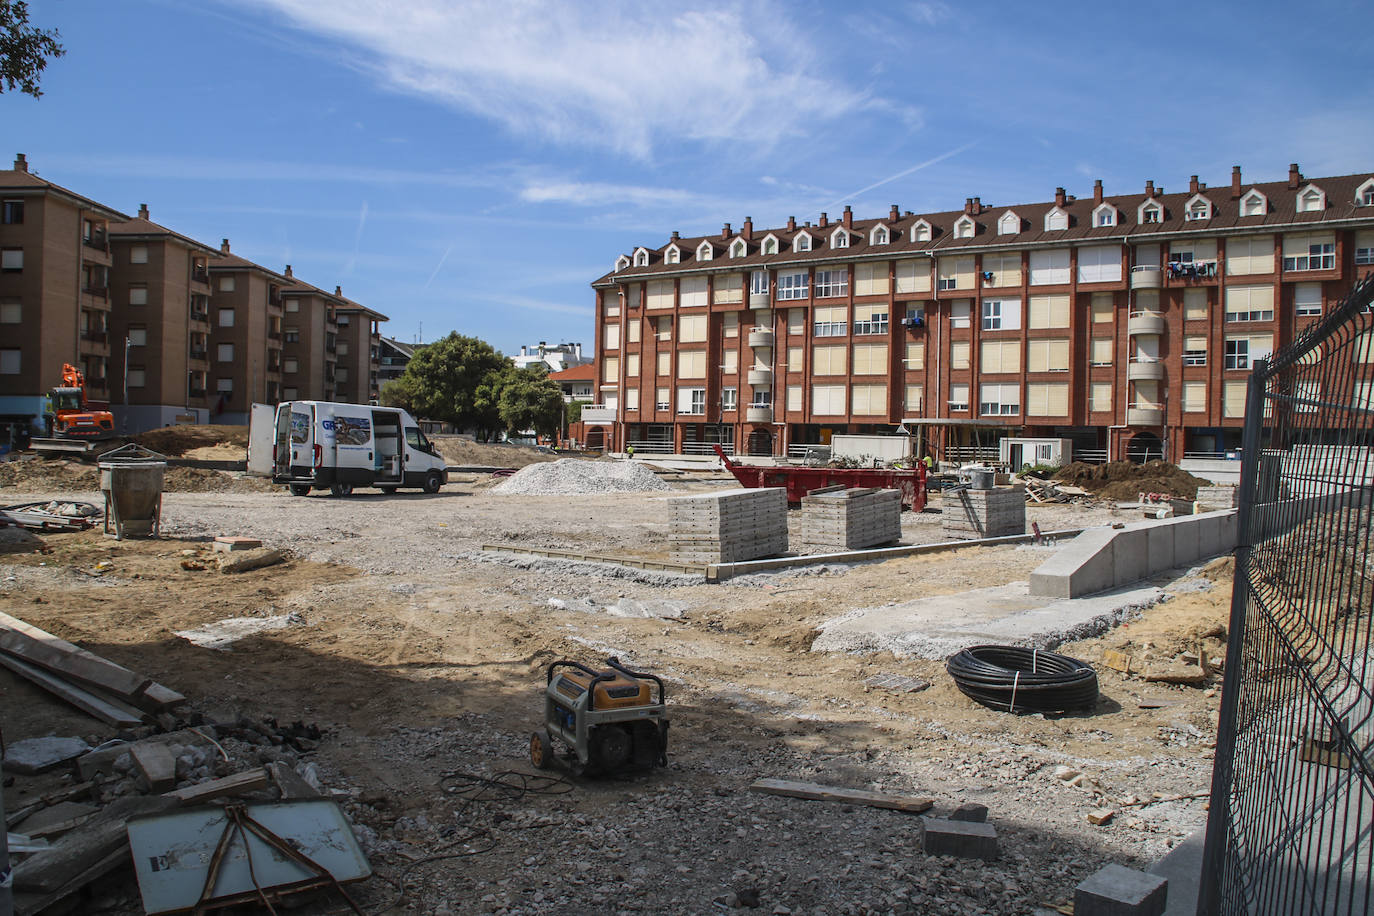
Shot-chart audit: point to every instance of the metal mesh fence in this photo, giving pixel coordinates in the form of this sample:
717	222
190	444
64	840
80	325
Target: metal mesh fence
1292	807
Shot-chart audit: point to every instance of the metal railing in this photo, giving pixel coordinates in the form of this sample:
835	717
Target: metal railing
972	453
1292	805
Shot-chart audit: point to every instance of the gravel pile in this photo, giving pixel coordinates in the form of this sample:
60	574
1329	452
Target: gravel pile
570	476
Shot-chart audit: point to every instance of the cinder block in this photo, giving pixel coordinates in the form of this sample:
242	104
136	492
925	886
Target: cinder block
964	839
1119	891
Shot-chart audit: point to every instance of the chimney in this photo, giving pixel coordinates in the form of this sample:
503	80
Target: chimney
1150	188
968	204
1059	199
338	291
1097	191
823	221
675	235
909	213
1235	182
895	213
224	246
1294	176
1192	184
791	224
21	164
142	211
288	271
977	206
848	216
725	231
747	230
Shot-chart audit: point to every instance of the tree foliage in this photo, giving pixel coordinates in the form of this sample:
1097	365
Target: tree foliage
531	400
24	50
456	380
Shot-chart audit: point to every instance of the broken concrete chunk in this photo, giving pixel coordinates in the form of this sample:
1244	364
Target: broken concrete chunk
226	543
1100	816
156	764
964	839
251	559
37	755
971	812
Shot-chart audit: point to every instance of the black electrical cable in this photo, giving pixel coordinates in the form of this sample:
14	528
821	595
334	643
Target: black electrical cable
1017	679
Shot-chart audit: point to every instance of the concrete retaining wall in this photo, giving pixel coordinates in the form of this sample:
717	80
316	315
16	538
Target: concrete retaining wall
1104	558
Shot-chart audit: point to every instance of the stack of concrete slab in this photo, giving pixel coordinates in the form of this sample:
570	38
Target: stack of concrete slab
1209	499
969	514
729	526
851	519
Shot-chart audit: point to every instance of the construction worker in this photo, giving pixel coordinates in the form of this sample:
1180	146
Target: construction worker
630	450
929	462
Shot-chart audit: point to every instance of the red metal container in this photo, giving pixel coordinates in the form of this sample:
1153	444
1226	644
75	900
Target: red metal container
799	481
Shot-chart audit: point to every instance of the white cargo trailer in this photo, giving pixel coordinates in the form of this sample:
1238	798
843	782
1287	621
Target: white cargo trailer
324	445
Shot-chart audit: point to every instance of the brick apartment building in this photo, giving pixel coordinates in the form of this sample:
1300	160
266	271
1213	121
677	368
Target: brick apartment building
55	301
1126	323
209	332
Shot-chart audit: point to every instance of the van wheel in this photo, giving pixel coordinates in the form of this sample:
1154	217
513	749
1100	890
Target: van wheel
433	482
299	489
341	489
389	491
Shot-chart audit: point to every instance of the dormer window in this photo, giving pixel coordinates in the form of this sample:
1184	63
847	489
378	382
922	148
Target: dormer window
840	238
920	231
738	248
1104	215
802	242
672	256
770	244
1199	208
1056	219
964	227
641	257
1151	213
1311	199
878	236
705	252
1009	224
1364	197
622	262
1254	204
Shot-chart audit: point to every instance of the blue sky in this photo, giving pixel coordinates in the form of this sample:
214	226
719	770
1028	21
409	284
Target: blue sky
474	165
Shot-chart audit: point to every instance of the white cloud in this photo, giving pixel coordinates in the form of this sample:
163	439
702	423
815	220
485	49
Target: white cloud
602	193
620	75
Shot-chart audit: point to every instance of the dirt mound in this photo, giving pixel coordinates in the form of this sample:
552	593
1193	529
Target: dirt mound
1126	480
176	441
462	450
64	475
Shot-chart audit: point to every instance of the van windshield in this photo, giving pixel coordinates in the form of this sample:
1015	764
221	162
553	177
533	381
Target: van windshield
417	439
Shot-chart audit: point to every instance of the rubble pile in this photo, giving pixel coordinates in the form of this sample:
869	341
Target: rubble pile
569	476
1126	480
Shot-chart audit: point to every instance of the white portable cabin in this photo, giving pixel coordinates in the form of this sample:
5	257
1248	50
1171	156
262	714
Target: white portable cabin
1017	452
318	445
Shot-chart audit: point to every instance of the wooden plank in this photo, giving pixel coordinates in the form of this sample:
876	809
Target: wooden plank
109	711
228	787
108	677
815	792
156	765
65	861
34	903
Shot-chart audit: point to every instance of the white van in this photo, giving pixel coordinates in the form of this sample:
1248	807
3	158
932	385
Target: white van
317	445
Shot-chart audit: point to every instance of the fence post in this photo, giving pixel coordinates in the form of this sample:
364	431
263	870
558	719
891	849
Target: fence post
1219	811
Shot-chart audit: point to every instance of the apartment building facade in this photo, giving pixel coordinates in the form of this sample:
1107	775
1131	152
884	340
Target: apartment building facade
309	341
54	290
1125	323
356	376
160	295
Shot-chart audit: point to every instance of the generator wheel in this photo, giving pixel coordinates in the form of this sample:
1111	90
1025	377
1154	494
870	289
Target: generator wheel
541	749
299	489
611	746
341	489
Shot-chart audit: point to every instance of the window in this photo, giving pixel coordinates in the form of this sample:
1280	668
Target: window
622	262
610	370
959	313
1103	308
138	337
840	239
802	242
1242	351
225	353
12	259
954	273
915	394
691	401
1151	213
138	294
796	357
691	364
915	355
342	320
915	315
641	258
870	359
12	212
1307	299
830	321
664	364
1100	397
224	385
870	319
880	236
726	288
611	337
1233	400
831	283
1009	224
137	377
827	400
138	254
729	398
289	394
1056	219
1049	267
1194	304
1104	215
958	396
738	249
1001	314
913	276
796	321
1199	208
1364	246
10	361
1250	255
1001	269
632	365
870	279
290	365
1000	356
792	286
1311	199
959	354
1195	350
1099	264
1048	355
664	327
226	284
1047	399
1194	397
770	245
671	256
226	318
869	400
661	399
1250	303
999	400
291	335
828	361
660	295
692	293
920	231
294	305
964	227
1100	353
1315	251
11	312
691	329
1254	204
1049	311
705	252
761	397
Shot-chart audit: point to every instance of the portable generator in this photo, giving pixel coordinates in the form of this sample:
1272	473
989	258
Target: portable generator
609	720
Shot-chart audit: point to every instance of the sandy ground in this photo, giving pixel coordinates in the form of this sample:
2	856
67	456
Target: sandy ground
421	656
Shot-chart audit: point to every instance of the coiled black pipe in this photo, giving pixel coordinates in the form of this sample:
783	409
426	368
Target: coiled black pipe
1016	679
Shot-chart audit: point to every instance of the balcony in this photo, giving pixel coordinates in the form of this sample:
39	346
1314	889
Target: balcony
760	300
274	335
97	241
760	375
1144	415
99	337
598	414
1145	323
96	381
1147	277
97	292
199	353
200	275
196	392
758	413
1141	370
760	337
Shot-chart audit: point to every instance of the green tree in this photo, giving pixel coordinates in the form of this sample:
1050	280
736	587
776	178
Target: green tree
575	410
456	380
24	51
529	399
399	392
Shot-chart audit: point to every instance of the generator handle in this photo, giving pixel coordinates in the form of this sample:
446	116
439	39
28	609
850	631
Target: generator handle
572	664
615	663
598	677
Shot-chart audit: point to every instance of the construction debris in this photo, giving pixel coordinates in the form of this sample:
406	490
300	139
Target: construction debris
569	476
38	755
814	792
251	559
50	515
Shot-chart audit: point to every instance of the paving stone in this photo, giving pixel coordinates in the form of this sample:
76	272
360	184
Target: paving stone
964	839
1119	891
34	755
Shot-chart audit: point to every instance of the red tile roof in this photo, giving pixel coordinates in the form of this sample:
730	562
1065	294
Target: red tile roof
583	373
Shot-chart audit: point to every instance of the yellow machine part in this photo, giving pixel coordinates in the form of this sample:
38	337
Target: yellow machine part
614	694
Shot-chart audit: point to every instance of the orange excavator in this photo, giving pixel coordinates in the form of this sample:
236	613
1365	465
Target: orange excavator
71	415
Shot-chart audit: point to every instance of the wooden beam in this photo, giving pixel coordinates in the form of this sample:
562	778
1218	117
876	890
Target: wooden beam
101	675
809	790
109	711
229	786
155	764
